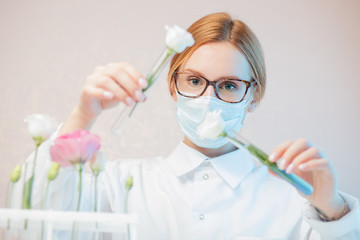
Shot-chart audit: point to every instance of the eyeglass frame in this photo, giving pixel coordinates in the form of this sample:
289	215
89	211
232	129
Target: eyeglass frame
213	84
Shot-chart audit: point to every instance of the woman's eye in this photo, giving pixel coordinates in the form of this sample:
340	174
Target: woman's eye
194	81
228	86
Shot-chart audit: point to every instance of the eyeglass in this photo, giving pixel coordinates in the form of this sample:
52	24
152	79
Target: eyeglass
193	85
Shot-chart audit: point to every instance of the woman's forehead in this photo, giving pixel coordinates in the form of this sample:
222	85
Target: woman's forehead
214	60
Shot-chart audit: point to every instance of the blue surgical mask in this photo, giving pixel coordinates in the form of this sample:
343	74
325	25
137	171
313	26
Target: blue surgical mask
192	111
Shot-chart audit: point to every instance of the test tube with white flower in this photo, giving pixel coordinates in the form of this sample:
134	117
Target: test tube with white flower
177	40
213	127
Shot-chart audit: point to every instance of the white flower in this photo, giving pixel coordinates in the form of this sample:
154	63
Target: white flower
97	163
178	39
212	127
41	127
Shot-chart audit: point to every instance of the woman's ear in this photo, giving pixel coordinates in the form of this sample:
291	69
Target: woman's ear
255	99
174	97
252	106
172	89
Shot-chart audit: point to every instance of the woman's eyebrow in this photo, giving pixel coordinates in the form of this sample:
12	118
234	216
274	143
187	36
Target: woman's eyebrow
193	71
221	77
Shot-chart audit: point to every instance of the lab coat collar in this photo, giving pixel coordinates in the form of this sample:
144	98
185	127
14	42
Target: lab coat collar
233	167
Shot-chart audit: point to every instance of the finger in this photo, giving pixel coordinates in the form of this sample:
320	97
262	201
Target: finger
308	154
119	74
111	89
316	164
113	69
279	151
119	93
294	149
98	93
135	74
129	85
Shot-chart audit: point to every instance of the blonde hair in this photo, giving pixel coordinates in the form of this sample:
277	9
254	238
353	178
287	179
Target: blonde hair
218	27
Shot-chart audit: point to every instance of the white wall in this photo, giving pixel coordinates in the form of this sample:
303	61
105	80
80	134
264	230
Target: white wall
312	54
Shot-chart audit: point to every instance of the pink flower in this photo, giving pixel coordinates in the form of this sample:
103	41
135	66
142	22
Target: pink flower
73	148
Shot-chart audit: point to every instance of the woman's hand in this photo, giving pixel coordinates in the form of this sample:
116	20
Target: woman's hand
105	88
305	160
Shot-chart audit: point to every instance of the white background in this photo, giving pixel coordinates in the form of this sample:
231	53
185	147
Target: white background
312	53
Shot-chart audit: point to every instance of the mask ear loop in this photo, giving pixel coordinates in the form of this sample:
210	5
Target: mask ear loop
246	104
248	99
256	90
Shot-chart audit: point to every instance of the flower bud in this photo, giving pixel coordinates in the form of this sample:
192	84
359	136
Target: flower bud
53	171
97	162
15	174
129	183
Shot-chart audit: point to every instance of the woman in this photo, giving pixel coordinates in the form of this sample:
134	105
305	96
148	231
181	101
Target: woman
209	189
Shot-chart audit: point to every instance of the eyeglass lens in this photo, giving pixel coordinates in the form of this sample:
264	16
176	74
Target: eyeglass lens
191	85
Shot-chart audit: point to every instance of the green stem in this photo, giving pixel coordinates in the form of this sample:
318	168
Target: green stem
299	183
263	157
74	231
33	176
45	196
11	190
24	194
80	168
260	155
126	114
35	157
95	200
27	191
127	211
44	207
151	77
126	201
